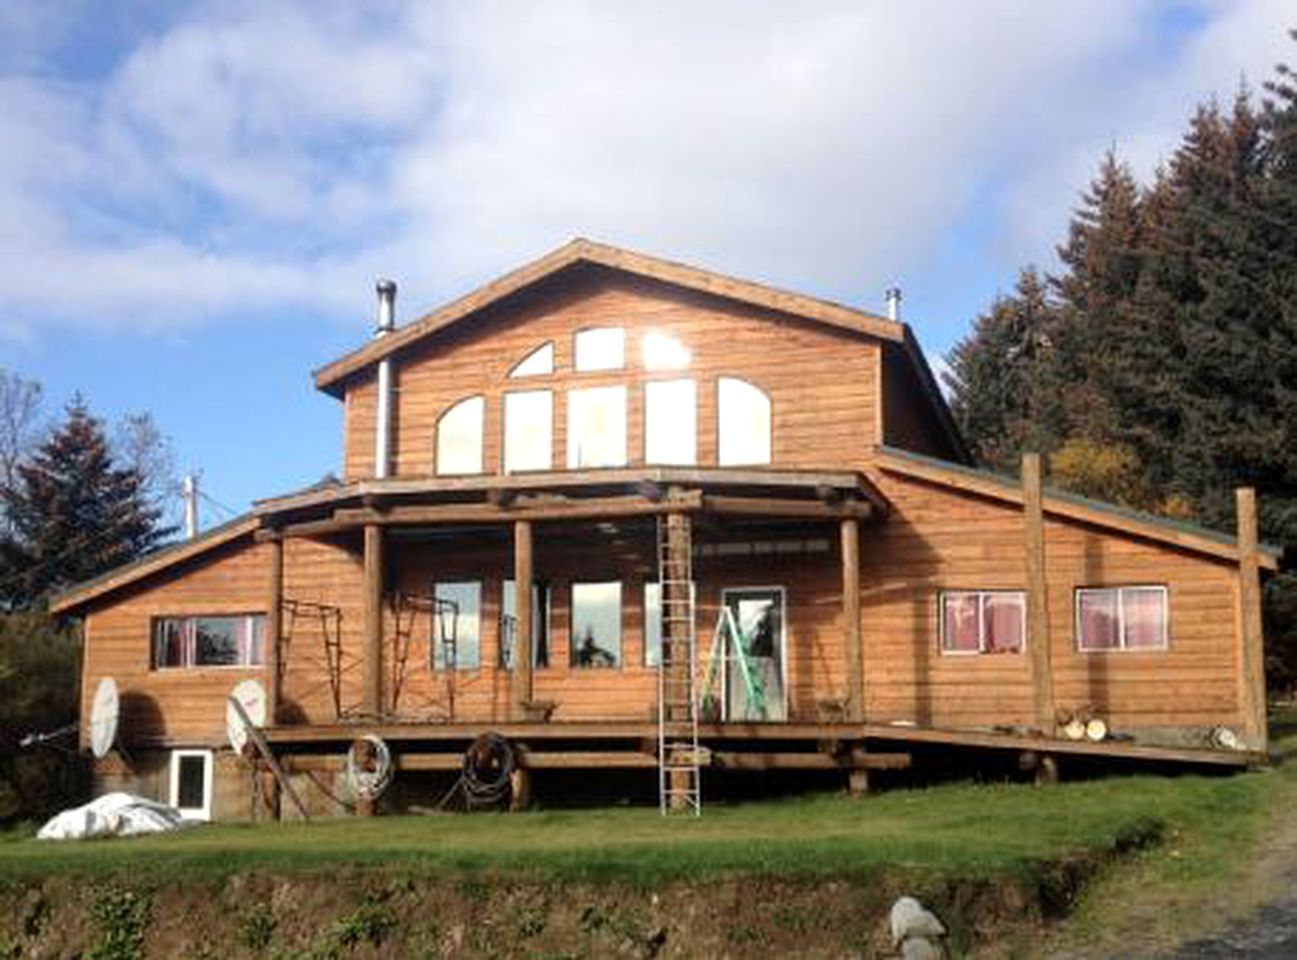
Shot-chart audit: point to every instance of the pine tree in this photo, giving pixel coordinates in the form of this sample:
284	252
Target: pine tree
1000	379
74	513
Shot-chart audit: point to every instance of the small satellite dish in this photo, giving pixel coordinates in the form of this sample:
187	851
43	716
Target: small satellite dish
1096	730
104	713
251	695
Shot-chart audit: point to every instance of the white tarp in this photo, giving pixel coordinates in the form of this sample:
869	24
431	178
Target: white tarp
112	815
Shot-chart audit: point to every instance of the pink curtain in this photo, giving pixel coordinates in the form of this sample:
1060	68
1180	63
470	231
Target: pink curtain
959	615
1097	616
1144	611
1004	618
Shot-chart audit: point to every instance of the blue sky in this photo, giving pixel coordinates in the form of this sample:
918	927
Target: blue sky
195	198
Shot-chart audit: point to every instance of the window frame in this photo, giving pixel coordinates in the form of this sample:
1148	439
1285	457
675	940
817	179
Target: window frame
434	646
982	594
1120	590
191	641
505	468
720	424
576	349
572	665
173	795
481	438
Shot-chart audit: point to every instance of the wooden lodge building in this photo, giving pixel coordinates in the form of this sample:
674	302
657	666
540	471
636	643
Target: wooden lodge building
606	504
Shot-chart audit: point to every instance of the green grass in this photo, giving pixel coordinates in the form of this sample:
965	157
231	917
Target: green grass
955	830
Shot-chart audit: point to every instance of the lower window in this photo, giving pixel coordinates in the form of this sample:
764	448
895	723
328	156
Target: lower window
595	639
983	621
539	624
191	783
215	641
1121	618
456	625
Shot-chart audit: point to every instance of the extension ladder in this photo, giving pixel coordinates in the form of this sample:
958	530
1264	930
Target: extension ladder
679	785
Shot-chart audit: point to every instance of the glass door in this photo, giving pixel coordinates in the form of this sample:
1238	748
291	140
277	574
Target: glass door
754	674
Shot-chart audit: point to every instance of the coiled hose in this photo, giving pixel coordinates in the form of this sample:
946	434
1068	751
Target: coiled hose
484	780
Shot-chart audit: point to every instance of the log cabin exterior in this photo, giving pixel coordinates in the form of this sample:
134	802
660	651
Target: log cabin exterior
587	425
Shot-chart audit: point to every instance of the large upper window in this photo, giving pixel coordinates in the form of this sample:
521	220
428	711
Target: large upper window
509	625
662	351
600	348
1121	618
537	363
596	624
218	641
456	626
596	427
459	438
528	428
671	422
744	423
983	621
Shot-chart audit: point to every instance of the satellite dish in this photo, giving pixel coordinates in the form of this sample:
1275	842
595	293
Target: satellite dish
251	695
104	714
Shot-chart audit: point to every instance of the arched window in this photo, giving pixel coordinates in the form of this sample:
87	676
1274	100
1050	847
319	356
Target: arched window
459	438
537	363
744	423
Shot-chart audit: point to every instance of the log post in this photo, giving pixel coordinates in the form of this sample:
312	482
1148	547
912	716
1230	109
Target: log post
522	635
1038	645
850	535
274	628
1253	700
676	662
372	692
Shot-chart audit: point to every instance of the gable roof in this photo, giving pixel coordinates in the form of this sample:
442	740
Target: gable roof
79	594
1060	503
332	376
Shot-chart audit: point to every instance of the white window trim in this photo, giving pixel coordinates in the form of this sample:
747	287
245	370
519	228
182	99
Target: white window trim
981	595
192	813
1163	645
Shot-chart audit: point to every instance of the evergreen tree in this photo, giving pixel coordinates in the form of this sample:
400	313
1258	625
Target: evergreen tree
74	513
1000	378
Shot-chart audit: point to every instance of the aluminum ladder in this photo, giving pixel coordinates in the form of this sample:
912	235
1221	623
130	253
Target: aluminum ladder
679	782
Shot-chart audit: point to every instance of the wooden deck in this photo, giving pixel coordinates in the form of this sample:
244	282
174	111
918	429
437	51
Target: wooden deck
733	745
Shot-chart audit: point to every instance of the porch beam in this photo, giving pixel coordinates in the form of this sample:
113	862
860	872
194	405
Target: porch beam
592	508
522	578
773	507
1038	642
850	537
372	677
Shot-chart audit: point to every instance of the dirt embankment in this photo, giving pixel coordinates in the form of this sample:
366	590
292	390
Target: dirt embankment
369	913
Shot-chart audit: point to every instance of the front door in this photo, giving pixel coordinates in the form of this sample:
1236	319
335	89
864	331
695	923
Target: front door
754	676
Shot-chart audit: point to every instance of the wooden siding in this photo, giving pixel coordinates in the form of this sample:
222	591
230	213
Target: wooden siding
828	416
940	538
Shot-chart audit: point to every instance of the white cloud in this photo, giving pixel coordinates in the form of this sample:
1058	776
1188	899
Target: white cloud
282	154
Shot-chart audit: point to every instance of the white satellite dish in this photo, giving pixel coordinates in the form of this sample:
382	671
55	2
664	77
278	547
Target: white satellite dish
104	713
251	695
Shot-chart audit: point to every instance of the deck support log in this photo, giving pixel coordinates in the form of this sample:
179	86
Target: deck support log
858	782
1253	699
372	691
519	789
522	634
1038	641
850	536
274	628
676	662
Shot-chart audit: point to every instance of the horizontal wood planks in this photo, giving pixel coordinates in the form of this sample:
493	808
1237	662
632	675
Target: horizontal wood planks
826	416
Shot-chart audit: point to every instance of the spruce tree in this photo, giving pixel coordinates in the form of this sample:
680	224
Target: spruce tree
74	513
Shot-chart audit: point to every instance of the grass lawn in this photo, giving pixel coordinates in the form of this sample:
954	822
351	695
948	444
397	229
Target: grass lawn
960	830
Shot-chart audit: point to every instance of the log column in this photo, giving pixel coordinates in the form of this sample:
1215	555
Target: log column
1038	646
372	692
850	536
274	628
523	574
1252	701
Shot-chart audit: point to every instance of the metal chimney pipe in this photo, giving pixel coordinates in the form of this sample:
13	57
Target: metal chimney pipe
383	423
893	303
189	491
